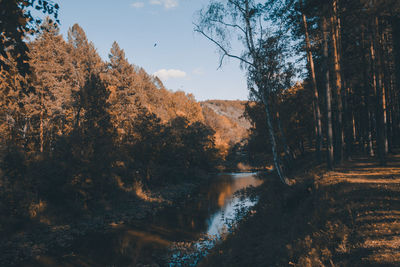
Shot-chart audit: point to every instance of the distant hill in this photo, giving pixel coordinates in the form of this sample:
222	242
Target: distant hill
226	118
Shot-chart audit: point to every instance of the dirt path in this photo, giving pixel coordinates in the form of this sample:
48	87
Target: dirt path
346	217
371	195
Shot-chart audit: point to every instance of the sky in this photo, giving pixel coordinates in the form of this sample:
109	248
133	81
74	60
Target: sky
158	36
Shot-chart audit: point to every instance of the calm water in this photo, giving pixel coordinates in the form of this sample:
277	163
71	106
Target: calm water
171	231
224	208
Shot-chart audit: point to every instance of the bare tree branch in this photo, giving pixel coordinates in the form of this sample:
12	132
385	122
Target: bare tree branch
261	32
249	30
236	5
228	24
225	52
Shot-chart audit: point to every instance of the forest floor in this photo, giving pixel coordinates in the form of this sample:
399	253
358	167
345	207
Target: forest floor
346	217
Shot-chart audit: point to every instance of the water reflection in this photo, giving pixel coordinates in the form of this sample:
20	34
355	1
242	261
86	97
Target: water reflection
229	203
207	214
146	242
224	209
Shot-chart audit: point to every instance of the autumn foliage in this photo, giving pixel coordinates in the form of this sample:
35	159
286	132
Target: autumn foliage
76	130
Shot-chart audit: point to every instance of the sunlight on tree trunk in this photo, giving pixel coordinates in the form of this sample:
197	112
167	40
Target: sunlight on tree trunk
329	134
317	112
380	93
339	140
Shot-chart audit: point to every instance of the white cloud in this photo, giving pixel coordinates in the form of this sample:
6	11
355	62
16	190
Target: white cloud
168	4
137	4
164	74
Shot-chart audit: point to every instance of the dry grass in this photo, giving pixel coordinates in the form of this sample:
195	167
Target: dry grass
346	217
142	194
146	195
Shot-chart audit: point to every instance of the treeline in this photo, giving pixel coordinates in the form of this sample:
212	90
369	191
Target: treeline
352	51
349	99
77	131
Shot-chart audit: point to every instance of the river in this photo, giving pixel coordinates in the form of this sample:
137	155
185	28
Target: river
175	236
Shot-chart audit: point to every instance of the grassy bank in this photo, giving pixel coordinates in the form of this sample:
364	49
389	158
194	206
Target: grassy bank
346	217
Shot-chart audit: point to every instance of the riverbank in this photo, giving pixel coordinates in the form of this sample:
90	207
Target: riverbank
346	217
46	234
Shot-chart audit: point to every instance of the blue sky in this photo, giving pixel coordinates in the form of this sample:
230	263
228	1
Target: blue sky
183	59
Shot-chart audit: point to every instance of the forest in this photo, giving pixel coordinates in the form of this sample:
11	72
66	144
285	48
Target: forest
347	101
334	133
77	129
79	135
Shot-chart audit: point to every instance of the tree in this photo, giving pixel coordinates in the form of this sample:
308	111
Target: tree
93	140
51	102
335	38
121	82
262	57
377	61
13	117
317	112
329	134
86	62
16	21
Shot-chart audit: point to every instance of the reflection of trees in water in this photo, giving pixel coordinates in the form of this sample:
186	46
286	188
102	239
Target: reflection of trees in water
194	218
229	204
131	245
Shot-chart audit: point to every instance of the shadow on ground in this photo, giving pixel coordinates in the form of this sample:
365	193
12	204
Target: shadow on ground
346	217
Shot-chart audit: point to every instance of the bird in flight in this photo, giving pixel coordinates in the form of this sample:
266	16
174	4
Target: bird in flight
155	44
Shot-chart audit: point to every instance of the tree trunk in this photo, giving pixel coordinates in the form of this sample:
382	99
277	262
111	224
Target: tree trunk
41	123
265	98
367	92
41	131
380	93
396	57
277	162
77	118
329	134
348	145
348	101
317	112
288	153
369	136
388	70
338	84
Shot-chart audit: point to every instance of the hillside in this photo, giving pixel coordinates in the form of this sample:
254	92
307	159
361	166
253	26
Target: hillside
227	120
